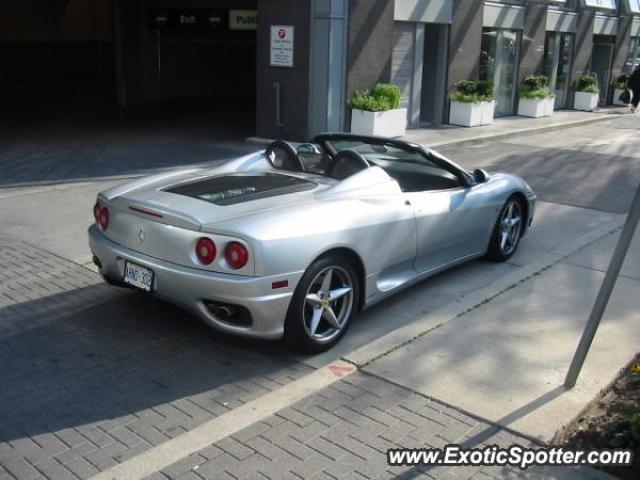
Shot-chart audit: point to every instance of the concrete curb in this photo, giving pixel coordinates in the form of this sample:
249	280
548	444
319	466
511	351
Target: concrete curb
541	129
483	137
414	330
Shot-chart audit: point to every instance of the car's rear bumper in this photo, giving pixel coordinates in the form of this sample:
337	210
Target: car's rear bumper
191	288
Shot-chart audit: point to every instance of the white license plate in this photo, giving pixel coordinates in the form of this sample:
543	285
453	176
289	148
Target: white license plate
138	276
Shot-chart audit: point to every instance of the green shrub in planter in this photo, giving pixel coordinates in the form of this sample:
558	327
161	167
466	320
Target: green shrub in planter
472	103
485	90
377	112
382	97
536	87
536	82
389	91
587	84
472	91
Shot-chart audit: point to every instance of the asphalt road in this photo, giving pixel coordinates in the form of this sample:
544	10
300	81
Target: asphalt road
593	166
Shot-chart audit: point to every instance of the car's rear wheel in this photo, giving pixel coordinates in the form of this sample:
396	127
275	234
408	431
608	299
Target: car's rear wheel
322	305
507	231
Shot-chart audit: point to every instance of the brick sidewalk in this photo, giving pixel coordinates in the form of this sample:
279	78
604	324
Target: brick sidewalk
93	375
344	431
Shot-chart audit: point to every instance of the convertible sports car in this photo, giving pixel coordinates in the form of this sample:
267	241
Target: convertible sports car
291	242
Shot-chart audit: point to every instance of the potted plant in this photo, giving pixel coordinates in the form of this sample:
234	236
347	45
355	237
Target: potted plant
376	112
472	104
619	87
535	98
586	93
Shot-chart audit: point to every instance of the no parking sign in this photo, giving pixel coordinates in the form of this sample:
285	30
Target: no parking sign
281	46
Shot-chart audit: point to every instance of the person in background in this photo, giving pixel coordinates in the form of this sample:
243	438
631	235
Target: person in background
634	86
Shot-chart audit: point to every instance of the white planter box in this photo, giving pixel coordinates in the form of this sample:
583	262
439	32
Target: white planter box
550	106
488	111
532	107
466	114
616	97
536	107
587	102
391	123
472	114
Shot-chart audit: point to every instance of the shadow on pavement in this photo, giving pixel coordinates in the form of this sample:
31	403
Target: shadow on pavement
87	143
96	356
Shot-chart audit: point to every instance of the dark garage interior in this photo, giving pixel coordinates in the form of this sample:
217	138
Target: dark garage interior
109	86
96	59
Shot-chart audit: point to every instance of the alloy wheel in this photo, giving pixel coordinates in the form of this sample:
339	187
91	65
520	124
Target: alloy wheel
510	227
328	304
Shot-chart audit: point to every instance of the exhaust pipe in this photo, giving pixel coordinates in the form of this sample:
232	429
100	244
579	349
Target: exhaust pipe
233	314
225	312
222	311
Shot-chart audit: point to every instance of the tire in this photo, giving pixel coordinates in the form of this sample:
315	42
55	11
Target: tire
315	323
506	237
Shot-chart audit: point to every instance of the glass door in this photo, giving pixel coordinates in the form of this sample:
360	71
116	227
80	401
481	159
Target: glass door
633	57
601	59
557	62
498	64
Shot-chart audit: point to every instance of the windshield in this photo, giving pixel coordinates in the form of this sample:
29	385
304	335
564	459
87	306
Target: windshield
413	171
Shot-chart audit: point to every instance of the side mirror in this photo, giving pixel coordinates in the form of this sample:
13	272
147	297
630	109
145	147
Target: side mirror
480	175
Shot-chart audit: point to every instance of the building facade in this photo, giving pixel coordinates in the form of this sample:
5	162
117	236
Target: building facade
293	64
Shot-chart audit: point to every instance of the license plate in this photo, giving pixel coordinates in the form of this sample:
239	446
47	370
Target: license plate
138	276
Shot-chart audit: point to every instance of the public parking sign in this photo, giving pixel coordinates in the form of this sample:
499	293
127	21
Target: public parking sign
281	45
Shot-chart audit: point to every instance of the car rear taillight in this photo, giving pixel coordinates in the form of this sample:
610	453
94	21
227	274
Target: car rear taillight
96	212
101	214
205	250
236	254
104	218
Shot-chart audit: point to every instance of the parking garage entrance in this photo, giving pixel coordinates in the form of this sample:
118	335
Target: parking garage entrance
206	54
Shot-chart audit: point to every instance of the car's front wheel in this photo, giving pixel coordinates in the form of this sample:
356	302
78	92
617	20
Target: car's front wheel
507	231
322	305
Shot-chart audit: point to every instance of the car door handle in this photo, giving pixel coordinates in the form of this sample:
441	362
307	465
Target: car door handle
407	202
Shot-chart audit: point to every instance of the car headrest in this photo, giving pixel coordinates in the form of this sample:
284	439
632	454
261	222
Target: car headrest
283	156
346	163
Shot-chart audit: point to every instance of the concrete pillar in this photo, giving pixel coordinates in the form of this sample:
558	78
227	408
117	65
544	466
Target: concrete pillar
623	42
582	49
289	117
369	44
465	39
533	37
328	66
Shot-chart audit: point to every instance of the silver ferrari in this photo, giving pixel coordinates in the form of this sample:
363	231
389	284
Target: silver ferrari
292	241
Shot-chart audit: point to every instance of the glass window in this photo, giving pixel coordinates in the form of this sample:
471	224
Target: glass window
498	64
634	6
608	4
569	4
557	63
632	60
